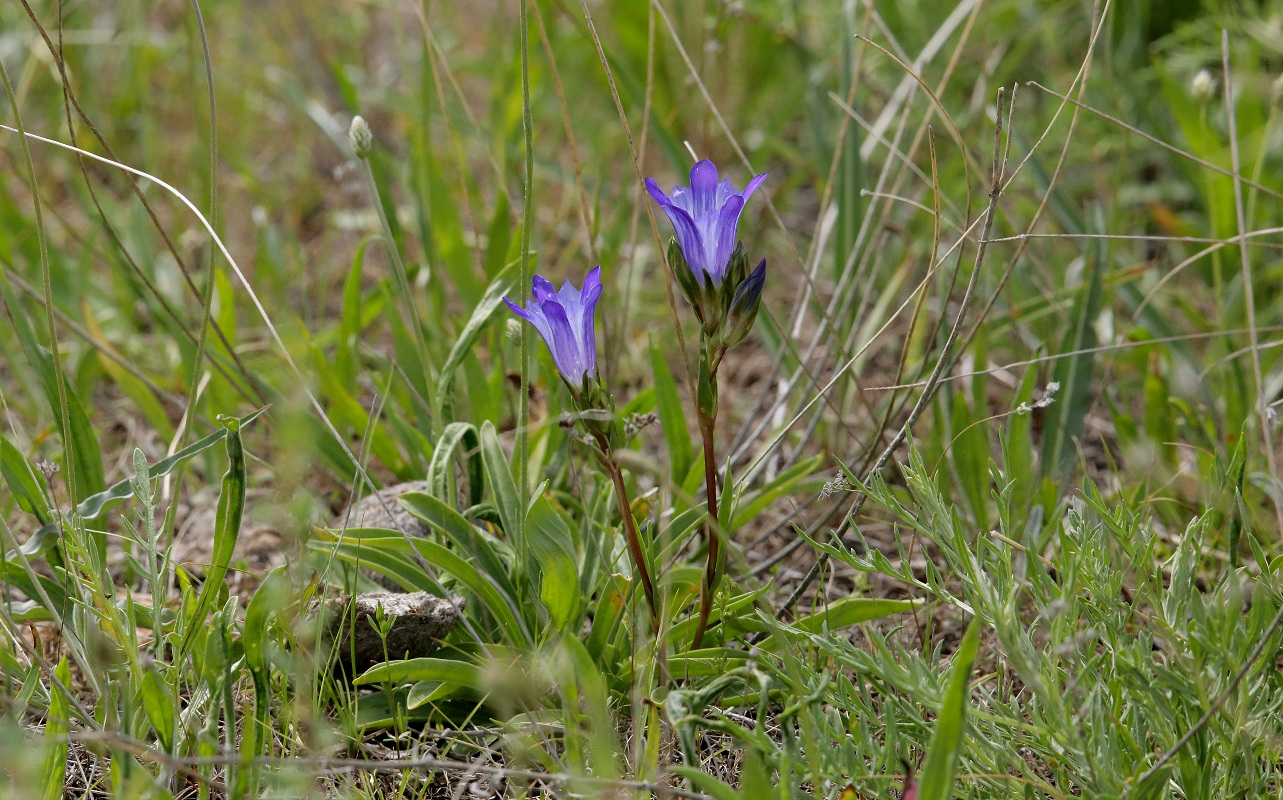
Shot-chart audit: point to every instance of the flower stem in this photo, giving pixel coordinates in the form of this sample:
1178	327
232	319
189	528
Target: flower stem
707	427
631	535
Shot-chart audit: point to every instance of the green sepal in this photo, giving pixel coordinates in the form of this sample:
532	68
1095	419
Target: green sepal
597	410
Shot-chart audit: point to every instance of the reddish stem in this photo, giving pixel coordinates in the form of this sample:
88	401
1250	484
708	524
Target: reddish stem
707	426
631	536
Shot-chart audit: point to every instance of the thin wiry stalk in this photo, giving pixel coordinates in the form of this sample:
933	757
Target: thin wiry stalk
174	400
46	283
631	535
637	171
249	290
1152	139
522	454
1249	295
443	66
1099	15
739	151
207	301
945	360
841	295
398	270
638	196
73	102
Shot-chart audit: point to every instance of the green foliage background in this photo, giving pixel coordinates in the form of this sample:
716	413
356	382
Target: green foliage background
1064	582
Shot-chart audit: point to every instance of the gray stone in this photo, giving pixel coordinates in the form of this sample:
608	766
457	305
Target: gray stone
419	622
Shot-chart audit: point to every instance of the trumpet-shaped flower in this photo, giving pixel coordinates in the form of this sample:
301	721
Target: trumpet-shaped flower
564	318
705	216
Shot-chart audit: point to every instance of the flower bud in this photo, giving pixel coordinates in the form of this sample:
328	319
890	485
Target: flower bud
361	137
1203	86
687	281
744	306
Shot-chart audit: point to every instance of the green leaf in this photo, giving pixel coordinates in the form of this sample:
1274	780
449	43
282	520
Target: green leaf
502	284
23	481
970	456
159	705
941	765
457	433
227	528
54	769
499	239
444	670
749	507
350	321
553	547
1019	450
851	611
94	505
82	450
345	411
671	416
707	784
364	544
499	474
134	388
271	596
462	534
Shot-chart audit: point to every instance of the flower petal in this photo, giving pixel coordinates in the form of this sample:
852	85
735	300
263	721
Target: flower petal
533	314
752	186
542	289
516	309
724	190
588	302
656	193
688	239
726	234
683	199
704	187
563	343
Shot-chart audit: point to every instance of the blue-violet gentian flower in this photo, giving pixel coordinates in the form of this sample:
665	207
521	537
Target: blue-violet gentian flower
564	318
706	217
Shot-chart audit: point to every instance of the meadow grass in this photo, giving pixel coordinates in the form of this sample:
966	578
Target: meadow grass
995	471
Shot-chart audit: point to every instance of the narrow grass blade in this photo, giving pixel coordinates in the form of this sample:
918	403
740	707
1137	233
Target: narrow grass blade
503	284
54	771
22	481
941	766
83	449
454	435
1064	421
227	528
671	416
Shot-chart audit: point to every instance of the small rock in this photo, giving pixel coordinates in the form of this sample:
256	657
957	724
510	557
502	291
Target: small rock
383	510
419	622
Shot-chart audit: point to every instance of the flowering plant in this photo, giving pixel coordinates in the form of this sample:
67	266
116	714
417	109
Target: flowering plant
565	318
710	265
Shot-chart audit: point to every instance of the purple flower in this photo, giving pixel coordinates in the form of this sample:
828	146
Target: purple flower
706	217
565	321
